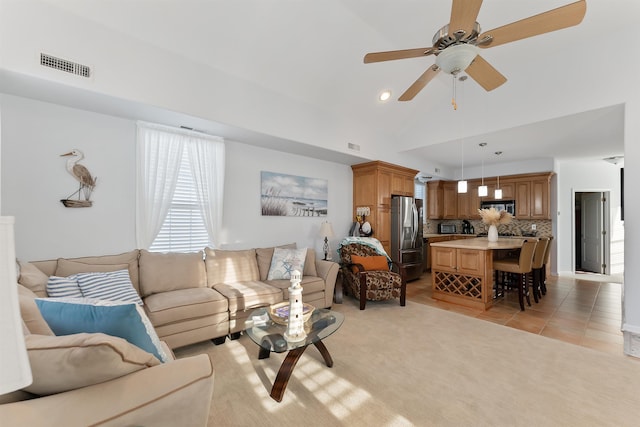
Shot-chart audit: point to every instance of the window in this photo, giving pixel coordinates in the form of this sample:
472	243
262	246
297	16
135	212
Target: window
179	189
183	229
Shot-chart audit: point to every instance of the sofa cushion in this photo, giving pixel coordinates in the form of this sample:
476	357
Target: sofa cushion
62	287
162	272
67	267
243	296
31	316
264	256
310	285
231	266
183	304
69	362
285	261
110	286
67	316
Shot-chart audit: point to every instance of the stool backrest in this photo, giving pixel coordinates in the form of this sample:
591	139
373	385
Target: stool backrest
526	255
541	249
547	250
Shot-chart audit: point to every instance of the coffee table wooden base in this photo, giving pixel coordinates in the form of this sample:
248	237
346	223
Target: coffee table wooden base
289	363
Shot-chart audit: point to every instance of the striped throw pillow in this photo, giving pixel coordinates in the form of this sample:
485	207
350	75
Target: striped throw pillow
58	287
110	286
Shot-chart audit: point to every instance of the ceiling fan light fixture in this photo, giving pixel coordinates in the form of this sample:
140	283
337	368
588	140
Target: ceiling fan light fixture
457	58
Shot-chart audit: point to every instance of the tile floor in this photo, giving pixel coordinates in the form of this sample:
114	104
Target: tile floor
575	310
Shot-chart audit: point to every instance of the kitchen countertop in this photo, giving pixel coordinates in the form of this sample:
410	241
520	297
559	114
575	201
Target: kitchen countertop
482	243
428	235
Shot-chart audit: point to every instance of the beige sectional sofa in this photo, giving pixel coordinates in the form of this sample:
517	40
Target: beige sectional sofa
96	379
198	296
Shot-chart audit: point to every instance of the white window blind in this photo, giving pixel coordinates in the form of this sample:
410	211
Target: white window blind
419	190
183	229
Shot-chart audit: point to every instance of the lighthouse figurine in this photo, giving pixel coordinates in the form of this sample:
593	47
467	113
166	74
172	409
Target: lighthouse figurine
295	325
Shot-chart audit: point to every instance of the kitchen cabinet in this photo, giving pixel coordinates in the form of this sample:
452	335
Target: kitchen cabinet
373	185
434	200
532	196
529	191
450	200
459	261
431	240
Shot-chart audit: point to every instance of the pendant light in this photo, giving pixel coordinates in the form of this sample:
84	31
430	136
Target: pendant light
462	184
483	191
498	193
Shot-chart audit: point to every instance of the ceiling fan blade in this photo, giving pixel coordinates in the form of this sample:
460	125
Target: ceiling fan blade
419	84
398	54
463	15
484	74
552	20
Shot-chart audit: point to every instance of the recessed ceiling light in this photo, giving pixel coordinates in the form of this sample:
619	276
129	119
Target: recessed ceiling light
384	95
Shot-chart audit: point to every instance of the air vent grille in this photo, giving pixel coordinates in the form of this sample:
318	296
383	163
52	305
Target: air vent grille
64	65
354	147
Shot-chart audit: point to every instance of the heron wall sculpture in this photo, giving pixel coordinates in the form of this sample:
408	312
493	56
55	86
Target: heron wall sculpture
82	175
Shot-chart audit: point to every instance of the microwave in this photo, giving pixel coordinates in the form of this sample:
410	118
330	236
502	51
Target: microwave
446	229
500	205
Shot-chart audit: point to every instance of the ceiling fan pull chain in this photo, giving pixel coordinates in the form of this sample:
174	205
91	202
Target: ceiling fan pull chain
453	97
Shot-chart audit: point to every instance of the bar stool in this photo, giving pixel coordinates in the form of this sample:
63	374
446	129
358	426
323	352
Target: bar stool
543	273
521	266
536	267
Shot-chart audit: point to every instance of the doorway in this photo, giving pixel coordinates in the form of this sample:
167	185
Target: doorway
591	233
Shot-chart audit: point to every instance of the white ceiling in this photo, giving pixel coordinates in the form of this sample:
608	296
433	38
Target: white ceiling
312	53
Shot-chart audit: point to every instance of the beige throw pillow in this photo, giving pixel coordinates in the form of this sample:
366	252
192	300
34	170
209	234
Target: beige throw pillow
33	278
163	272
69	362
31	316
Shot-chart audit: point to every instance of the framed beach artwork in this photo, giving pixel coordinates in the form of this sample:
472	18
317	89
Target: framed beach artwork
291	195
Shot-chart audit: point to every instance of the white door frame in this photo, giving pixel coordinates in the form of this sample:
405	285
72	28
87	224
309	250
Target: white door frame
606	227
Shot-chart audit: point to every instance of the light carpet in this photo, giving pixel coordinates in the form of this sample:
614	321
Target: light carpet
422	366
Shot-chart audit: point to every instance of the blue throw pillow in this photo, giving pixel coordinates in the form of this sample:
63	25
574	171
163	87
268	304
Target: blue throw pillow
66	316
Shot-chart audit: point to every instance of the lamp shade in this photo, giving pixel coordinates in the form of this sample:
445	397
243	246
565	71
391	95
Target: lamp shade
462	186
483	190
498	194
15	372
326	230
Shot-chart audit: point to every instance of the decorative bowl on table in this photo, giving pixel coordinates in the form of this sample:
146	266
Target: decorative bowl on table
279	313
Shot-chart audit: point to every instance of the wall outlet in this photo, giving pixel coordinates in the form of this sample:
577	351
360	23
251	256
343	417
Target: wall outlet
533	227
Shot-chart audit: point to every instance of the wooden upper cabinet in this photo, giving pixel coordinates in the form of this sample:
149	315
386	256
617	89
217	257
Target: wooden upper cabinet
522	196
450	200
373	185
529	191
434	200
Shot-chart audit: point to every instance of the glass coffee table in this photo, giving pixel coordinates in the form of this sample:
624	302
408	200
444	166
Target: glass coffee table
270	337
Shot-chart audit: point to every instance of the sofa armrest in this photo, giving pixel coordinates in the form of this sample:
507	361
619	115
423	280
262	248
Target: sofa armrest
174	393
328	271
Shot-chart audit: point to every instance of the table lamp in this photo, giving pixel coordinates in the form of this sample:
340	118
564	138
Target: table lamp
15	372
326	231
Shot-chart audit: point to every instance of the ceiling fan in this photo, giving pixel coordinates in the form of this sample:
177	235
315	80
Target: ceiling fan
457	44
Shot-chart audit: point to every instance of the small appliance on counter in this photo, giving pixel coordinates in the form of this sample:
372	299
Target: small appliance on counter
466	227
447	229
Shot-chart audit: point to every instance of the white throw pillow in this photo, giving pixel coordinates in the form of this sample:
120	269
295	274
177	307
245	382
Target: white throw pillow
285	261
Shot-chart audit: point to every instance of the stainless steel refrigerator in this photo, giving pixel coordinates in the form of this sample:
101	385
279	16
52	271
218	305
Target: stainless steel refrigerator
406	234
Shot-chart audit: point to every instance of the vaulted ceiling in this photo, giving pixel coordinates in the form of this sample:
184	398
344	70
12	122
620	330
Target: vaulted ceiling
311	53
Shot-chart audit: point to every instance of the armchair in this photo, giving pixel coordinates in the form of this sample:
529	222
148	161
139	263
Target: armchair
365	281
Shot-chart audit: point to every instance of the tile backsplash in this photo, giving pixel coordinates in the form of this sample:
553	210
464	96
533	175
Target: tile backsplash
516	227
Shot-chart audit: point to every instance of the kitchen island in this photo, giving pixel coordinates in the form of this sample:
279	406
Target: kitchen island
462	270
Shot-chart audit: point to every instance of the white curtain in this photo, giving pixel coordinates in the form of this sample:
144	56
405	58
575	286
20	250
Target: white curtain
206	157
160	150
